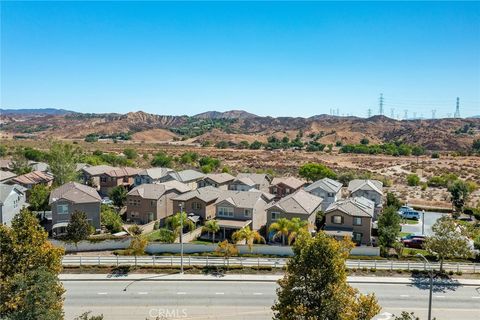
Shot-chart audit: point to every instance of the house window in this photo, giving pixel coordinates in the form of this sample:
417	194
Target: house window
125	179
357	221
225	212
62	209
275	216
357	237
274	190
331	195
287	190
196	206
248	213
337	219
152	203
103	179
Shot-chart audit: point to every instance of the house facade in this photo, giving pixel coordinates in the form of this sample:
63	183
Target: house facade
12	200
91	174
72	197
217	180
249	181
199	202
370	189
188	177
351	218
327	189
118	177
151	202
281	187
151	175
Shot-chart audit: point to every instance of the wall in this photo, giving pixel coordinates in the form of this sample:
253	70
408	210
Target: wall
104	245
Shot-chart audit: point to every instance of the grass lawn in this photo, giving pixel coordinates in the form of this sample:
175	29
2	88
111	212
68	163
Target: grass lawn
201	242
404	234
409	221
412	252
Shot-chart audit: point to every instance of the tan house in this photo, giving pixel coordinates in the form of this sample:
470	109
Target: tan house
249	181
370	189
282	187
72	197
6	175
29	180
151	202
300	204
217	180
238	209
189	177
327	189
152	175
351	218
199	202
117	177
91	174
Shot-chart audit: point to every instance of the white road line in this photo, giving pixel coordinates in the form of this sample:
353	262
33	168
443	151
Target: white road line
143	292
439	296
219	293
181	293
257	293
404	295
102	293
476	297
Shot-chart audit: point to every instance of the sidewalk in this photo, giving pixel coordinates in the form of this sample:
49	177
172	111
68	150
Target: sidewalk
247	278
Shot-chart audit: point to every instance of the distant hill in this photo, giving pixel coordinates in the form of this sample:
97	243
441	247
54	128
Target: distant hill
35	111
232	114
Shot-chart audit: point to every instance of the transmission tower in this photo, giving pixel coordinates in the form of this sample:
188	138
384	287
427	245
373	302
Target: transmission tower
405	114
369	112
414	115
338	112
434	111
392	113
457	109
381	104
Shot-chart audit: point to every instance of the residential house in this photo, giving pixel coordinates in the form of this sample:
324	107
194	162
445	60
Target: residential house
124	176
248	181
217	180
189	177
199	202
80	166
29	180
282	187
38	166
12	200
370	189
300	204
153	201
6	164
151	175
327	189
91	174
72	197
6	175
238	209
352	218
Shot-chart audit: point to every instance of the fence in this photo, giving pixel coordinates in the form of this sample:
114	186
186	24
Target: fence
255	262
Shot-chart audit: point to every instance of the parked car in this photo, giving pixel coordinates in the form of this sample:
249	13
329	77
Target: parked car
411	236
410	214
106	200
404	208
416	243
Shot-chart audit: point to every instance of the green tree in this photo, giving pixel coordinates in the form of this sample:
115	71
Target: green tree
161	159
448	241
138	245
86	316
25	249
110	219
281	228
296	228
211	226
250	236
316	171
118	195
243	144
130	153
476	145
3	151
459	192
315	284
418	151
413	180
389	227
20	163
78	228
38	198
364	141
176	221
255	145
393	201
227	249
62	160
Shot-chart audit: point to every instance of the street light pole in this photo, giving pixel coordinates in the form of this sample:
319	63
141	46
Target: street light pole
423	222
430	272
181	237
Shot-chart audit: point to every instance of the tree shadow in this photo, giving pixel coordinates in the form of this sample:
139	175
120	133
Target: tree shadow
441	282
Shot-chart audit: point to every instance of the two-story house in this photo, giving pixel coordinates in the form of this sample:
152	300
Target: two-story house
117	177
29	180
152	175
238	209
300	204
282	187
327	189
217	180
153	201
91	174
199	202
352	218
189	177
370	189
12	200
72	197
249	181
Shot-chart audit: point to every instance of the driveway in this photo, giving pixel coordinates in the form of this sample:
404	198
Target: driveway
430	219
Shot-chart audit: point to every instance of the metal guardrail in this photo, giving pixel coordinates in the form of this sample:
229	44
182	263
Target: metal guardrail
255	262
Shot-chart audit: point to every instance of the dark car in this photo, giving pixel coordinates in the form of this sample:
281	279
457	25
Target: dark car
411	236
416	243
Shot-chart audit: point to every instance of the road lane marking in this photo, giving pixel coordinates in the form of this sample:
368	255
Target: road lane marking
257	293
439	296
143	292
181	293
219	293
404	295
475	297
102	293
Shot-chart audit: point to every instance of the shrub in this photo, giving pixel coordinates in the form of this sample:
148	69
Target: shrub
413	180
435	155
135	230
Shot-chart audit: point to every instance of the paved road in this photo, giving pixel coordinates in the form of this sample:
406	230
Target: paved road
245	300
430	219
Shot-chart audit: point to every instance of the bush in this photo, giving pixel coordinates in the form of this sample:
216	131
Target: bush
111	219
435	155
161	159
255	145
130	153
364	141
156	225
135	230
413	180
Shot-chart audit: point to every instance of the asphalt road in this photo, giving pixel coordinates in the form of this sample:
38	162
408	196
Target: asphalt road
430	219
246	300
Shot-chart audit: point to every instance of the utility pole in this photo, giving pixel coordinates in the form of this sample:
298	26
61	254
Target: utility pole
457	109
181	237
381	104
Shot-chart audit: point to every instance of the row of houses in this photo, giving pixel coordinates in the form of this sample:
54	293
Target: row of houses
248	199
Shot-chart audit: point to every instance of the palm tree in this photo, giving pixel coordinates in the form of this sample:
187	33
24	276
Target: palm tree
211	226
297	227
175	223
227	249
249	235
282	228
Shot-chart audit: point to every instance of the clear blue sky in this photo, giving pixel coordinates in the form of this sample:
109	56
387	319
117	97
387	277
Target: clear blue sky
279	59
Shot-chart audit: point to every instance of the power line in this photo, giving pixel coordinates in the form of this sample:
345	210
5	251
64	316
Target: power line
457	109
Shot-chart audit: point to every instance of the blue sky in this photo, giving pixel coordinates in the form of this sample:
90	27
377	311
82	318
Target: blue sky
279	59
